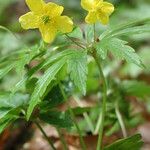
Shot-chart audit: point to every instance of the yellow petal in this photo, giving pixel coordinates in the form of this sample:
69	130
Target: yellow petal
64	24
35	5
48	32
107	8
89	4
29	21
91	18
103	18
53	9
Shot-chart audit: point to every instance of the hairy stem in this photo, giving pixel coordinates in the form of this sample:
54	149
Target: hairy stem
46	137
100	124
73	118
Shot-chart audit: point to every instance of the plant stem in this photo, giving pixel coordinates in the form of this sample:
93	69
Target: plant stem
94	28
73	118
75	42
120	119
62	139
86	116
46	137
102	114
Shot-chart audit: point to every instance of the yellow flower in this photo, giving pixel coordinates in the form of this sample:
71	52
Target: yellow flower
97	11
46	17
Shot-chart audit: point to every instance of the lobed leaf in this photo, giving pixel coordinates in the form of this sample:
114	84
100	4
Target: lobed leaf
108	33
119	49
42	84
77	67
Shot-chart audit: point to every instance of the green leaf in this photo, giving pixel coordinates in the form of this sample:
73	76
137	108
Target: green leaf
81	110
42	65
6	69
119	28
89	33
42	84
59	119
9	103
120	50
136	88
77	67
25	58
52	99
76	33
133	30
4	112
4	124
101	48
10	107
134	142
115	127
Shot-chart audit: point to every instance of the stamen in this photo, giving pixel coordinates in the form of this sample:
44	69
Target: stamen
46	19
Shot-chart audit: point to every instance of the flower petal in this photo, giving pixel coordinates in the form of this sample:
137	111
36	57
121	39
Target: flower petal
91	18
48	33
35	5
103	18
53	9
107	8
89	4
64	24
29	21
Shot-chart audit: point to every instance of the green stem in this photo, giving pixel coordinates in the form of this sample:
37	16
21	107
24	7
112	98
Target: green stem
121	122
62	139
103	110
46	137
73	118
94	28
86	116
76	43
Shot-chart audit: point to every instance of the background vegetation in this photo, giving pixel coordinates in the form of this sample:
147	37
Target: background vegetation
129	85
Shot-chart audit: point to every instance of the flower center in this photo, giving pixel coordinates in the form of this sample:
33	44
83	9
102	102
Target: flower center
46	19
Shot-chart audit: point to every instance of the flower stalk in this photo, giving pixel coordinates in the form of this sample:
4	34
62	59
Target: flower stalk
103	110
46	137
73	118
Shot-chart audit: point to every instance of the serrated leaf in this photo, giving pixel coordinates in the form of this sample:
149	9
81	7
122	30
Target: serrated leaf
120	50
119	28
136	88
101	49
133	30
134	142
25	58
10	102
77	67
89	33
40	66
59	119
42	84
